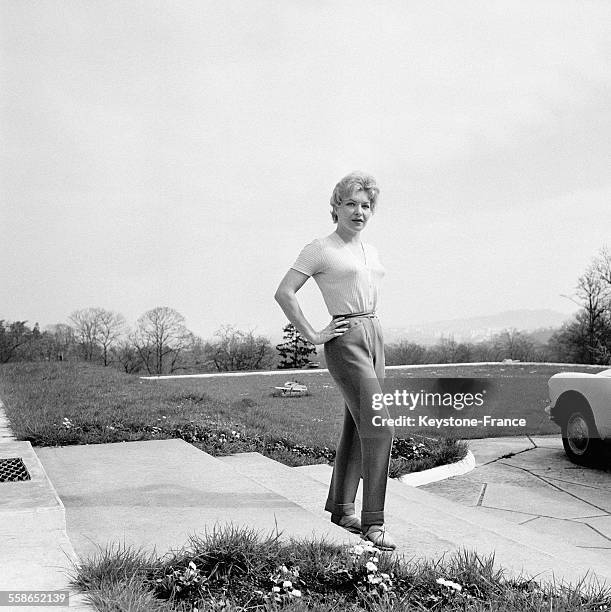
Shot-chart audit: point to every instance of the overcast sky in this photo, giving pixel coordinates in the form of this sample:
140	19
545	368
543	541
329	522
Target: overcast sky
181	153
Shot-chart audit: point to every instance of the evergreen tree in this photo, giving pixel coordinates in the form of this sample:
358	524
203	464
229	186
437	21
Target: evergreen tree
295	350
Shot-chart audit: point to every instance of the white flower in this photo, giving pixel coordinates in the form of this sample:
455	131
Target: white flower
371	567
357	550
295	593
287	584
192	565
449	583
284	569
276	589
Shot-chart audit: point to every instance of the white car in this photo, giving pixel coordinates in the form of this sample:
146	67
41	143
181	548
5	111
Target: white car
581	405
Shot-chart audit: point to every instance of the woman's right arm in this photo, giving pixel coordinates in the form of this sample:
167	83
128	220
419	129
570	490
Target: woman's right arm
286	296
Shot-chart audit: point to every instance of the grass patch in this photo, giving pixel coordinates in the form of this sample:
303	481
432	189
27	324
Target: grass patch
59	404
235	569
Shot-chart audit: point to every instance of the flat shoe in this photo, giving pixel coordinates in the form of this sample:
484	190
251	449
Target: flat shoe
350	522
376	534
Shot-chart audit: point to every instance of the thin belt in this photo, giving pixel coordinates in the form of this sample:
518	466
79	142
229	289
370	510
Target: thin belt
371	315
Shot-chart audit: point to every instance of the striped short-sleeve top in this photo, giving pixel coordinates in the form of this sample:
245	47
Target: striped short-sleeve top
347	283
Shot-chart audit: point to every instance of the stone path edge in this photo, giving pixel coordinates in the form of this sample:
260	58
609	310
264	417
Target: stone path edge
441	472
6	433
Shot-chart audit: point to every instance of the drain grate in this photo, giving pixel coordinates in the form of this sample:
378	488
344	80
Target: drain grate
13	469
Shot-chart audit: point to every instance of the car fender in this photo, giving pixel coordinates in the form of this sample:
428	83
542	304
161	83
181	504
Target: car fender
593	389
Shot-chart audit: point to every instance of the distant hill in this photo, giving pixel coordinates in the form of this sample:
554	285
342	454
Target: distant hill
474	329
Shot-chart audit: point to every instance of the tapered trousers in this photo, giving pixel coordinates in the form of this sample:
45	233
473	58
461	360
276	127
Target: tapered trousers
356	363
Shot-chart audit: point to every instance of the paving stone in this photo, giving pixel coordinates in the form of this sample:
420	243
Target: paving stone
156	494
554	442
601	524
541	500
575	532
540	458
598	498
582	476
283	480
459	489
497	472
491	449
520	518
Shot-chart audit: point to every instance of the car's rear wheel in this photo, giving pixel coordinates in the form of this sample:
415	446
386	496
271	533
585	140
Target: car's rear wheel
580	438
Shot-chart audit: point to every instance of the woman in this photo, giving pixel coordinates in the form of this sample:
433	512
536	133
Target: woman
348	273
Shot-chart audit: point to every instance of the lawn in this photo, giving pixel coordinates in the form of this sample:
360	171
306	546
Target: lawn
516	390
64	403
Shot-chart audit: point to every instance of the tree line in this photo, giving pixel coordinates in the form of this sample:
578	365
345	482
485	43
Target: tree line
161	343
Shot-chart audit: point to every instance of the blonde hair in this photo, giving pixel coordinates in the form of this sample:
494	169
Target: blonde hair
345	188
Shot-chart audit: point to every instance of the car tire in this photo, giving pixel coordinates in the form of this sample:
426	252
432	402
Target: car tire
580	439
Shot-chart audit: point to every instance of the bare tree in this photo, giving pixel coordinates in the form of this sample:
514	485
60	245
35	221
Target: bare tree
111	327
602	263
128	355
160	337
406	353
513	344
594	293
239	350
96	330
85	325
589	335
447	350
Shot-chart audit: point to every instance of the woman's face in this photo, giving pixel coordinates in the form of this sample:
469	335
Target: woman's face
354	212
